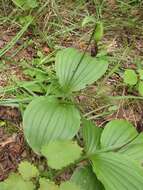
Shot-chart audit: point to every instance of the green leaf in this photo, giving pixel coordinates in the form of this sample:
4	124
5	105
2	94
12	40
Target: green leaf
61	153
32	86
26	4
140	88
135	149
35	73
130	77
45	184
47	119
86	179
117	133
99	32
117	172
74	76
91	136
15	182
27	170
2	186
69	186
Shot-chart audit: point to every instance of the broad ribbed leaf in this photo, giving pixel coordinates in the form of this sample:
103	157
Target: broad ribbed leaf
117	133
118	172
61	153
91	136
135	149
86	179
74	76
47	119
2	186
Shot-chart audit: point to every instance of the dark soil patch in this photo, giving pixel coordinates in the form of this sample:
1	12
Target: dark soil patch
11	149
10	114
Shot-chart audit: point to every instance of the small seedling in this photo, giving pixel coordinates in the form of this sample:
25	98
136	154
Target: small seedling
130	77
134	79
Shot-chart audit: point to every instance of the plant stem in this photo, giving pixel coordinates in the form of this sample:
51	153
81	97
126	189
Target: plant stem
83	158
91	37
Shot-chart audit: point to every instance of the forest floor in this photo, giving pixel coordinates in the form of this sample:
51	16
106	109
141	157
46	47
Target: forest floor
31	56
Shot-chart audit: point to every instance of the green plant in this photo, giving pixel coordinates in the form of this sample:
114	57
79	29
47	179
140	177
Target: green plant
28	178
110	158
98	35
133	79
57	112
26	4
130	77
51	122
22	179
